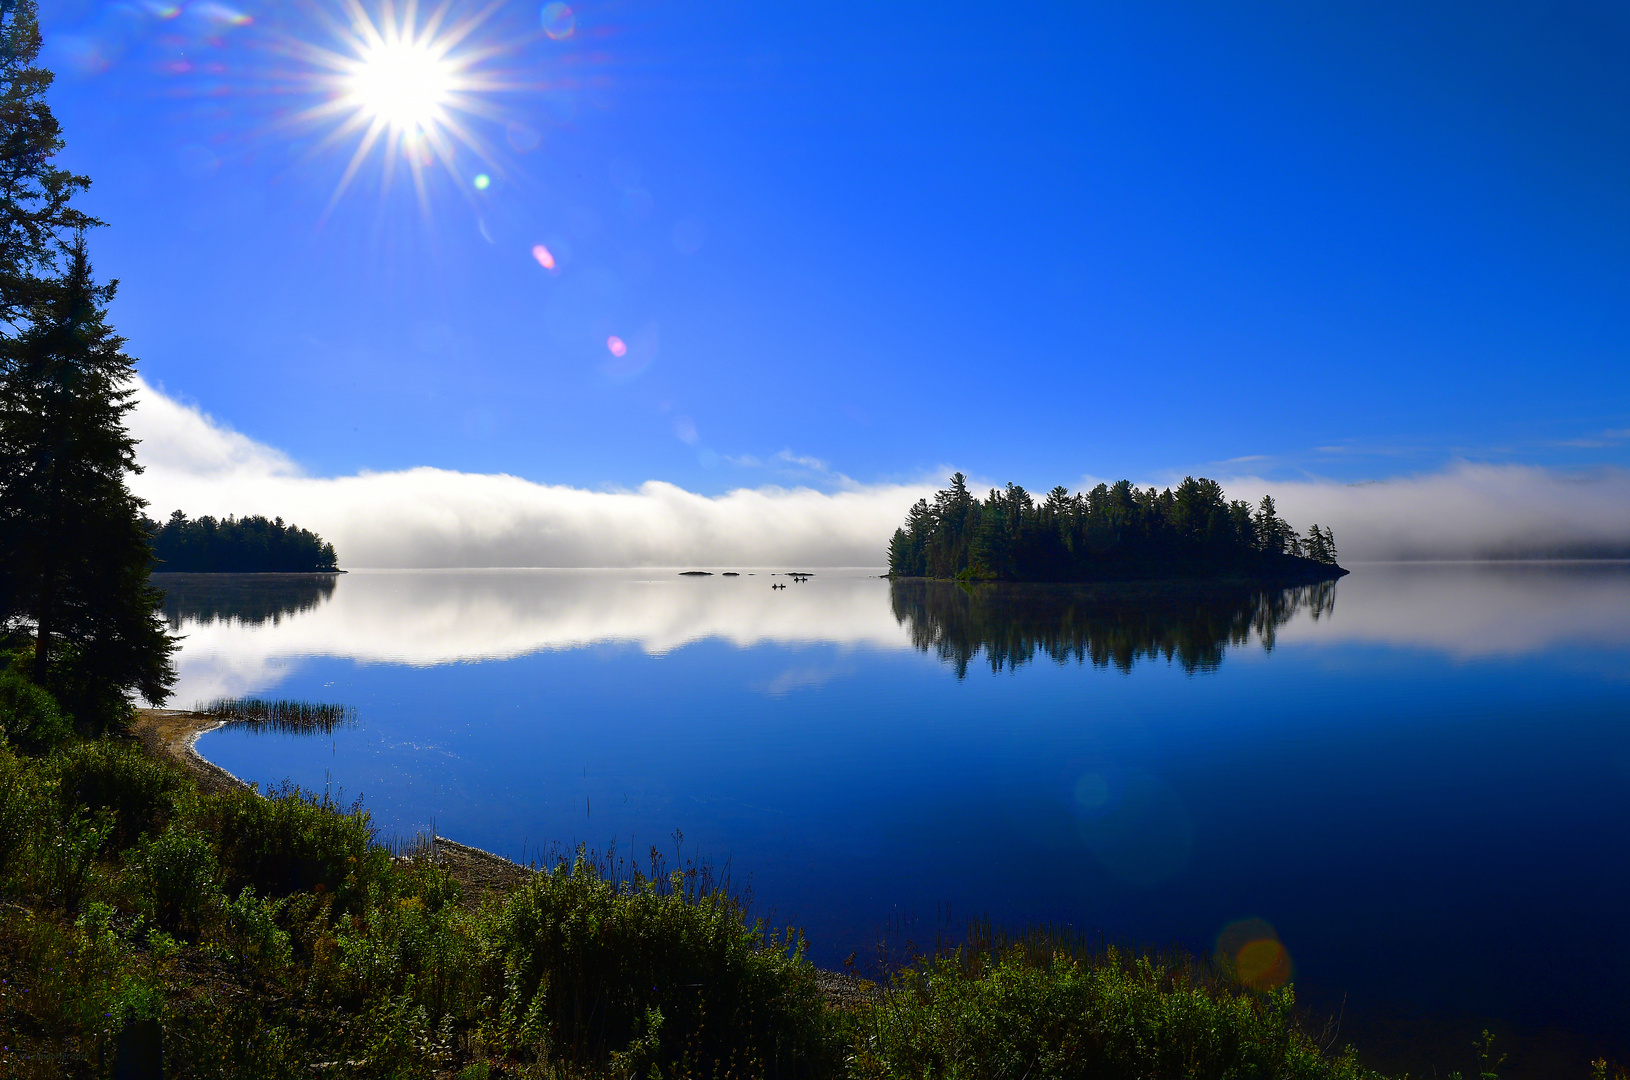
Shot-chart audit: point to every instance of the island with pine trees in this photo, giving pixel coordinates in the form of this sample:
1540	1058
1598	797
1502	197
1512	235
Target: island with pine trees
1114	532
234	545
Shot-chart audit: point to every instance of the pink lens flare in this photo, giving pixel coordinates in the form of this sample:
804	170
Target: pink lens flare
544	257
617	346
558	21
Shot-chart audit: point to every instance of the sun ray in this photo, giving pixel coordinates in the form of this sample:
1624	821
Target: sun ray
364	148
411	84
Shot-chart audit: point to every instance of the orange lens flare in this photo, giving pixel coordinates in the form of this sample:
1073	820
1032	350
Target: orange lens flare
1251	947
546	260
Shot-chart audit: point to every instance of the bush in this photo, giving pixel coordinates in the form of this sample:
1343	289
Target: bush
29	717
648	970
139	792
24	807
179	874
416	943
293	842
1056	1016
254	939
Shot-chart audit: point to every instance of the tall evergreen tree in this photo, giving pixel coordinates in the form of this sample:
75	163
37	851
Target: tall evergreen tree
77	556
38	222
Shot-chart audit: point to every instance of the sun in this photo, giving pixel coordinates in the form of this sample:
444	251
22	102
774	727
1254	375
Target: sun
413	90
407	85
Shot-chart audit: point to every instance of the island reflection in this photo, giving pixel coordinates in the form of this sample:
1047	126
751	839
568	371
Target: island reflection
1104	625
250	599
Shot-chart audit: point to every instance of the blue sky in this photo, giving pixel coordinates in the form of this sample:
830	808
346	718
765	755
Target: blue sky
1349	241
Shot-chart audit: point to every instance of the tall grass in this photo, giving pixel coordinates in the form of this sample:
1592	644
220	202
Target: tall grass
280	714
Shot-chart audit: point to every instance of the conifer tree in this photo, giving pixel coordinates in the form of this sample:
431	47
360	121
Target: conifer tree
38	222
77	556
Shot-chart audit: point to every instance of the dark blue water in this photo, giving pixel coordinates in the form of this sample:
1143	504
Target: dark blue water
1422	792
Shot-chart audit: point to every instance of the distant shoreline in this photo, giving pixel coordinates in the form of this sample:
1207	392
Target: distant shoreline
242	573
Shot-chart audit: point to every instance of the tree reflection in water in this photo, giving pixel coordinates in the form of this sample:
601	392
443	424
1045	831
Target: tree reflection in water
1110	624
251	599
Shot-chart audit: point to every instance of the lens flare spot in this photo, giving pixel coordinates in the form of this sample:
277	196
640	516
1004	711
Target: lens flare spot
617	345
523	137
1092	791
546	259
482	181
1251	947
558	21
221	15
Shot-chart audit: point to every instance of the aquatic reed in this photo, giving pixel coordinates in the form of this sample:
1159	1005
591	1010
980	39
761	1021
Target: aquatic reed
283	715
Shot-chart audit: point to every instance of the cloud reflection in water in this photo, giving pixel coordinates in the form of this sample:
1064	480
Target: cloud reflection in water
243	632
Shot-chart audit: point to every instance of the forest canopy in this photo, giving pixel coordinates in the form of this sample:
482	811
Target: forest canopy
238	545
1115	532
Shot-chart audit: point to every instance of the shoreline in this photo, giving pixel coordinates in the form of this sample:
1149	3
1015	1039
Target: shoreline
174	733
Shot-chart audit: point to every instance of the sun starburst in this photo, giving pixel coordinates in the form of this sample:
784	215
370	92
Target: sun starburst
408	89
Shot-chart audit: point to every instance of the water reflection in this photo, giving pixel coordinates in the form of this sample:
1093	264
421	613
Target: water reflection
250	599
244	631
1434	764
1103	625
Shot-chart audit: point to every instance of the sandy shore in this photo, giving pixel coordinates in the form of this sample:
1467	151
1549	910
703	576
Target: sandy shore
174	733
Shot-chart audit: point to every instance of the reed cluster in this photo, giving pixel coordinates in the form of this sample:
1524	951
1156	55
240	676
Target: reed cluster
282	715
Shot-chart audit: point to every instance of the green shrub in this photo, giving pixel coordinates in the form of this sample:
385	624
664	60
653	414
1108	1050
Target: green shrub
66	856
1057	1017
415	944
659	973
24	808
179	875
253	938
30	719
293	842
139	792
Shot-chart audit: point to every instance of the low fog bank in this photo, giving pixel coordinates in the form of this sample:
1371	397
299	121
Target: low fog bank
1463	512
426	517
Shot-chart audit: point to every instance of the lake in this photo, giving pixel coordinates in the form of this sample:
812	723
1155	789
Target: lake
1412	782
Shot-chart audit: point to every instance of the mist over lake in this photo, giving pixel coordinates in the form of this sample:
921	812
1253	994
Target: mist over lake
1413	778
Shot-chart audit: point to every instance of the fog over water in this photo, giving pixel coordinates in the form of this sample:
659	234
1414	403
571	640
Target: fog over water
429	517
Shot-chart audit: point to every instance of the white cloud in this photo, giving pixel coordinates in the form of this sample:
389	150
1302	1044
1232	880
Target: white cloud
179	439
428	517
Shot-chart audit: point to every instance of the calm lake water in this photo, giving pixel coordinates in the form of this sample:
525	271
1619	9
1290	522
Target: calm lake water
1414	780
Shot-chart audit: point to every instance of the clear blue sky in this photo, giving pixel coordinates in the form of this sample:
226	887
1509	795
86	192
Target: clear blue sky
1035	242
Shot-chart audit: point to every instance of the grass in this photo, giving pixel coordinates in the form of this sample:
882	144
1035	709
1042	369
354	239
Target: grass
281	715
276	937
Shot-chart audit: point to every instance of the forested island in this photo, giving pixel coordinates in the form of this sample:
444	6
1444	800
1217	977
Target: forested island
1115	532
234	545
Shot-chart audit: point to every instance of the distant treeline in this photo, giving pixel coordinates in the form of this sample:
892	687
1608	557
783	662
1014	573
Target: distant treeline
237	545
1115	532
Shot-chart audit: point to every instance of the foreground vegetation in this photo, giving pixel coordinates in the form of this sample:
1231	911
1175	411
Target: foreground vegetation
273	936
1115	532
